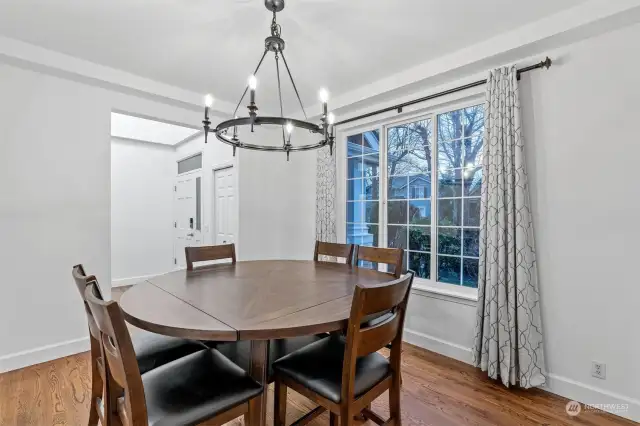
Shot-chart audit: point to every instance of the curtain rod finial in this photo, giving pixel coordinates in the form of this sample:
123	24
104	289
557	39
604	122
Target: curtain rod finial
547	62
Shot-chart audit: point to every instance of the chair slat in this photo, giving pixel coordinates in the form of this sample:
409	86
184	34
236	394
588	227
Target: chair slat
335	250
209	253
374	338
389	256
382	298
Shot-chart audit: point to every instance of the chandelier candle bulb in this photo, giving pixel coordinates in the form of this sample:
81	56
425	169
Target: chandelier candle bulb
208	103
331	118
324	98
253	83
235	131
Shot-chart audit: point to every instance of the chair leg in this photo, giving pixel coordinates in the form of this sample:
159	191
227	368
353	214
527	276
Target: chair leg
346	416
394	401
280	404
96	383
333	419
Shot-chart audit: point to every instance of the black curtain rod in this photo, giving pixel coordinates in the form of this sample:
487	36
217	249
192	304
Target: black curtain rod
544	64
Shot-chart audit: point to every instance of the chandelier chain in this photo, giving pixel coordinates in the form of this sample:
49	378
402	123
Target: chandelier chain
284	140
293	83
275	27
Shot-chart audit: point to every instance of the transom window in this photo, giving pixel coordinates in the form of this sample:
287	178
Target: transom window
429	204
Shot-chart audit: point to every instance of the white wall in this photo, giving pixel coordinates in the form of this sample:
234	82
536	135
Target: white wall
141	209
581	130
277	200
580	123
55	204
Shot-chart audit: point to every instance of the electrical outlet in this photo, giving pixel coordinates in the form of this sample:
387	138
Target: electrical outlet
599	370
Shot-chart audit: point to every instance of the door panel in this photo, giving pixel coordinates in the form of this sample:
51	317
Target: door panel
187	215
226	216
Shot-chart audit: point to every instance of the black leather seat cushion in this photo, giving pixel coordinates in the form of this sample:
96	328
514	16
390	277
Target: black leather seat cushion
153	350
240	352
319	367
195	388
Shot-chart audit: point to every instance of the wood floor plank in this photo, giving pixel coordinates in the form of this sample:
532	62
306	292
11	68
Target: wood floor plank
436	391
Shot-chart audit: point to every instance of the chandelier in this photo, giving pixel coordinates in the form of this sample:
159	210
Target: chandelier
227	131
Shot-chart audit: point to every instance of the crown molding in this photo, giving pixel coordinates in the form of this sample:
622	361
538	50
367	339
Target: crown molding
566	27
38	59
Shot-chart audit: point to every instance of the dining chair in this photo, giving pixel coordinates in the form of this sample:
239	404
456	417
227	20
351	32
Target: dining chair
344	374
209	253
151	350
389	256
198	387
334	250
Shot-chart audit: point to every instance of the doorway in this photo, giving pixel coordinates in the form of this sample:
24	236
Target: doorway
188	209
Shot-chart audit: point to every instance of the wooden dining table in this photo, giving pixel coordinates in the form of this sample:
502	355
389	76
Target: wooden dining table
252	300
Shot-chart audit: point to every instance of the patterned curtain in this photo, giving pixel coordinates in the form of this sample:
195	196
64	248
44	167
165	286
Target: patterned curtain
326	196
508	340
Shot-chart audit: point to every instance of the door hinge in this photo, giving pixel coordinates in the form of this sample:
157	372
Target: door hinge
175	261
175	188
175	224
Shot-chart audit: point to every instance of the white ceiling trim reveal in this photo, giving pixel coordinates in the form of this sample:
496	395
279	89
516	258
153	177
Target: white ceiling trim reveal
147	130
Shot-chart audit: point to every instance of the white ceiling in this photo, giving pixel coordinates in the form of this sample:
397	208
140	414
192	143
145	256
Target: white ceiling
146	130
213	45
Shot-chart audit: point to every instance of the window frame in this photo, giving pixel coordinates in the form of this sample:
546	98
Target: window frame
382	125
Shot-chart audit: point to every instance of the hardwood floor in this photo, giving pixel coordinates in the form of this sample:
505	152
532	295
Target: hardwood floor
436	391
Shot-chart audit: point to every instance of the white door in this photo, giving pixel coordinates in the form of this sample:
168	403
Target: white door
225	214
187	215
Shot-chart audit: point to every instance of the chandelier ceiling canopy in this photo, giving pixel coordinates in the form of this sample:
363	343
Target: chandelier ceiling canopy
228	132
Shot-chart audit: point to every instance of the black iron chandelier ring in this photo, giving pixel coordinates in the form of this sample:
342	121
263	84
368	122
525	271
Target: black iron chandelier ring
222	131
227	131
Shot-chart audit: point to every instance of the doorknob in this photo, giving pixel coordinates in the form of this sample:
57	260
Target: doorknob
224	242
190	235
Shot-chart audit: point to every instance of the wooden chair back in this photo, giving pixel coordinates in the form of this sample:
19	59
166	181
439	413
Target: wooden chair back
82	280
389	256
208	253
98	371
334	250
363	339
124	377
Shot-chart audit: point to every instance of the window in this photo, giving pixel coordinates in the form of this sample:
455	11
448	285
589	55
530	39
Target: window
191	163
363	188
460	135
429	205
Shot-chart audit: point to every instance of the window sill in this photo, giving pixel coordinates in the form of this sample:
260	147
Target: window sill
447	292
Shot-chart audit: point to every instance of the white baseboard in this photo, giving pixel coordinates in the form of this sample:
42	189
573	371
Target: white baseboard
614	403
434	344
558	385
43	354
122	282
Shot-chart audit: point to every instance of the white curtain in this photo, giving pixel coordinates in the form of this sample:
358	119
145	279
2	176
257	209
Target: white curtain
508	340
326	196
